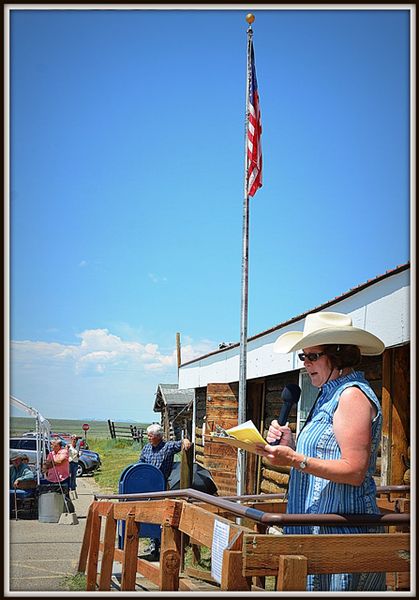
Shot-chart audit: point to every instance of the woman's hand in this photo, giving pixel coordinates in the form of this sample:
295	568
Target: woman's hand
280	456
282	433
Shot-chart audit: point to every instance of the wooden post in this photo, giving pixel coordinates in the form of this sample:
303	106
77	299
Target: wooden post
86	541
186	468
196	554
386	404
134	433
260	528
169	559
400	421
93	551
179	360
292	575
395	407
232	578
108	551
129	564
186	478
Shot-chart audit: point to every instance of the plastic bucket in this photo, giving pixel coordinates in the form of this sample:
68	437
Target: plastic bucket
50	507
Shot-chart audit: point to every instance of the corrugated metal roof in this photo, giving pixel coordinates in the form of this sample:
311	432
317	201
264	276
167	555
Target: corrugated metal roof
327	304
173	396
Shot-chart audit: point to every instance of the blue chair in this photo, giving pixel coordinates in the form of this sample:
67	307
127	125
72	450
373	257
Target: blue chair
136	479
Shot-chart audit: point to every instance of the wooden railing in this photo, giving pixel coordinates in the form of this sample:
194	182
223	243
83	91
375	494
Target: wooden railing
126	431
292	557
249	555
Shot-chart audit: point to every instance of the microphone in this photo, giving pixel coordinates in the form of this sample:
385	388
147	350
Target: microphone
290	396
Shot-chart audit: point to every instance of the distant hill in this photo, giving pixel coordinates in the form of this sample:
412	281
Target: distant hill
98	429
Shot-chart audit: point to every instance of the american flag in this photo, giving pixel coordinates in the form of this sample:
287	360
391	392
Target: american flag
254	132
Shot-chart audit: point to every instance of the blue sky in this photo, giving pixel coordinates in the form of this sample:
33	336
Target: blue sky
126	186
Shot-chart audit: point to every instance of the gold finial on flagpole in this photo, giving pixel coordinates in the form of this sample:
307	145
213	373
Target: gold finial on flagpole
250	18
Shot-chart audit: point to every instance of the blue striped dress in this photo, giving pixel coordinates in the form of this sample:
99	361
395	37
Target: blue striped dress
310	494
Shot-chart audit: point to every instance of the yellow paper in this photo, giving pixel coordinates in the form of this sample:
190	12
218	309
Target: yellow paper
244	436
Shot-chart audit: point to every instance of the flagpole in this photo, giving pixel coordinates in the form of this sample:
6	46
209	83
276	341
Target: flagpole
241	457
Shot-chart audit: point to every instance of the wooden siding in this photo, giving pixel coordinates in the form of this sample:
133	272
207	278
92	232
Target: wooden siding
221	461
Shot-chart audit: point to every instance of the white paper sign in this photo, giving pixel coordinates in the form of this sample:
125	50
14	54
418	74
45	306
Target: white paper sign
219	543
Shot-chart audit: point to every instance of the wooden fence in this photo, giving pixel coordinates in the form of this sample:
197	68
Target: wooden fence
251	554
126	431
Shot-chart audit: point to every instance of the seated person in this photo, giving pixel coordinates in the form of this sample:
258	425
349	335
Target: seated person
21	482
20	472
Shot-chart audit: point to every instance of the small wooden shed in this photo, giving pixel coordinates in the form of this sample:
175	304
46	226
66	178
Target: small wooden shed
176	408
382	306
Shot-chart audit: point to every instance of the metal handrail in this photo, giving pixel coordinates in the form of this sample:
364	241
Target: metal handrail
386	489
381	489
239	510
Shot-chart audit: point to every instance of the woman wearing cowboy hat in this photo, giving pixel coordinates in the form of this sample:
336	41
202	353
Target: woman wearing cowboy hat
334	458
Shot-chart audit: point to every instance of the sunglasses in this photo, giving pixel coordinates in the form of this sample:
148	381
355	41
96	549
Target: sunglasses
311	356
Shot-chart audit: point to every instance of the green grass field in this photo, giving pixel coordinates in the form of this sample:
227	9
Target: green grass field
98	429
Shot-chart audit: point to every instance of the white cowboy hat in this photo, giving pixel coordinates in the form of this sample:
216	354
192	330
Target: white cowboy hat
329	328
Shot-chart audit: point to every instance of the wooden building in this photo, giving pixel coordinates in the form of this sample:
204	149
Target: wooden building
381	306
176	407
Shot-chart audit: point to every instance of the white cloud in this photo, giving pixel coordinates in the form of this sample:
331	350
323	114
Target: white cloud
157	278
83	263
102	373
101	352
191	350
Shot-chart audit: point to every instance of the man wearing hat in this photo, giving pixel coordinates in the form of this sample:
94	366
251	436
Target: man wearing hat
19	471
333	460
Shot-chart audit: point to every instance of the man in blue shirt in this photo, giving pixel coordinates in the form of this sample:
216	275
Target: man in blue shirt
160	454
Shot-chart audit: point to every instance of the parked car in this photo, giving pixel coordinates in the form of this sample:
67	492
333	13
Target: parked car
81	441
25	445
88	461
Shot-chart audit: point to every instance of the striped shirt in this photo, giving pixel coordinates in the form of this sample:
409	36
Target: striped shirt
161	456
314	495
